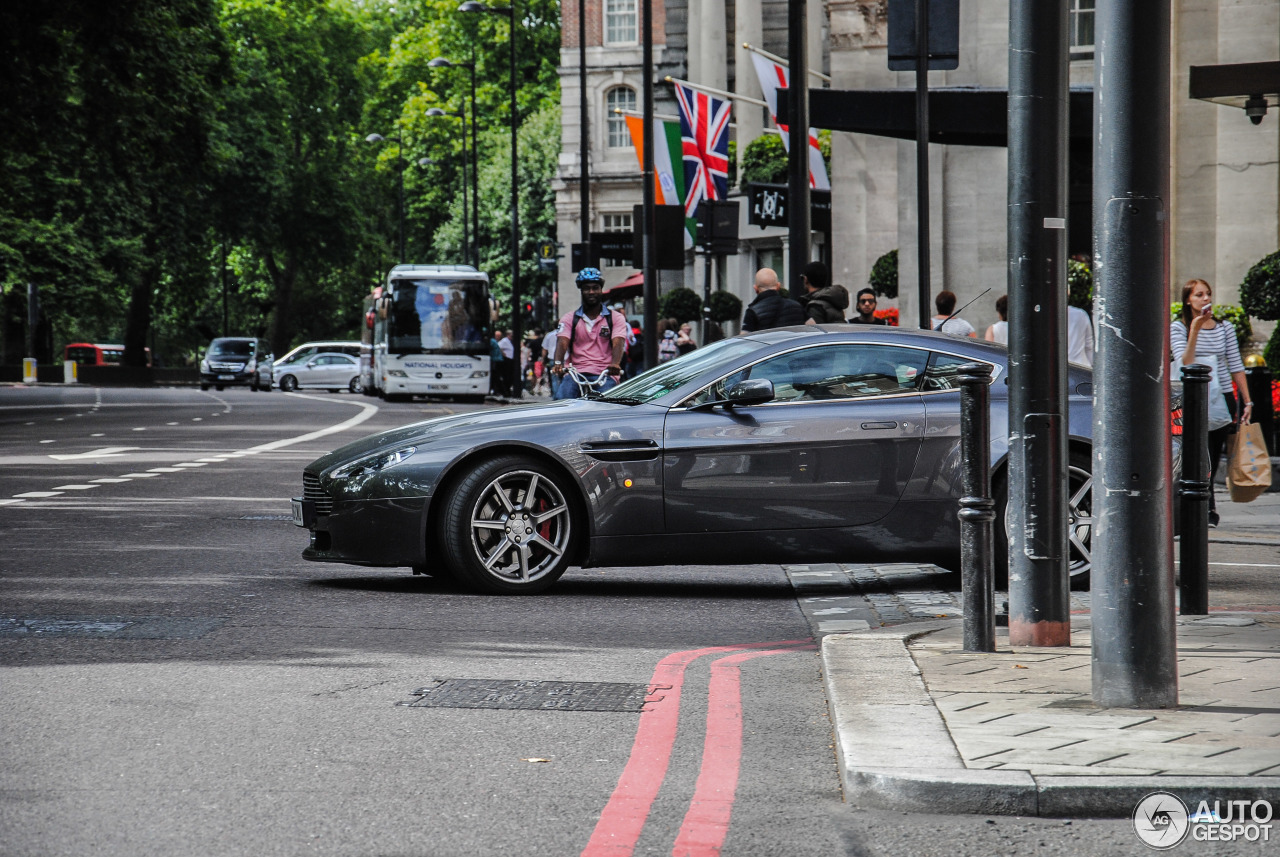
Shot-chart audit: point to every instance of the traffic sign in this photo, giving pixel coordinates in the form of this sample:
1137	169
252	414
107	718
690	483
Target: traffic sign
547	254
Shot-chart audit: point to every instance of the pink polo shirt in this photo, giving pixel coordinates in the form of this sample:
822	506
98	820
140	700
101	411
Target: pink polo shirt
592	350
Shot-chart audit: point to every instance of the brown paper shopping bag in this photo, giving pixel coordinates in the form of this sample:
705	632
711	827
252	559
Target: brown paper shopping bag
1249	473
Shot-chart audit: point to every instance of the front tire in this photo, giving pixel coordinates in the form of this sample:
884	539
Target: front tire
355	386
1079	521
288	384
509	527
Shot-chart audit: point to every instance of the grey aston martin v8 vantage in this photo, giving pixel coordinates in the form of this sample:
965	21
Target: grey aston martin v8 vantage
804	444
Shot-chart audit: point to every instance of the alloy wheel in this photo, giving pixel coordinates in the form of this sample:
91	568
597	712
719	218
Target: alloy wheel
520	526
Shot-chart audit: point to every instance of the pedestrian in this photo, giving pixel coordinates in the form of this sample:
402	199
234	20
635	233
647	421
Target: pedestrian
1079	337
823	304
769	309
866	308
667	349
945	321
510	365
684	339
999	332
497	372
591	339
1197	337
635	351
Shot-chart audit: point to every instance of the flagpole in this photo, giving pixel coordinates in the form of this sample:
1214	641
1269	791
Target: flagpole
718	93
649	248
780	61
663	117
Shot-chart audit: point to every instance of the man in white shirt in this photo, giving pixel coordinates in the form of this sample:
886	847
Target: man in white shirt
1079	337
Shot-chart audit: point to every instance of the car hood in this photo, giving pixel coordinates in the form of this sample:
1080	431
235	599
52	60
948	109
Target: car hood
481	426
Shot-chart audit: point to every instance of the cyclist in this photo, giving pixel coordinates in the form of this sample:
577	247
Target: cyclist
591	339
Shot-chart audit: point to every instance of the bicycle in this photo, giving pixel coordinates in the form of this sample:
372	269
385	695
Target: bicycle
588	388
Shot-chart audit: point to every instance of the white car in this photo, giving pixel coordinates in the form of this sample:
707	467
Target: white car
333	372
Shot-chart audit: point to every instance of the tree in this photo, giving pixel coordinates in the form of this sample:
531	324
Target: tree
682	304
884	275
765	160
1260	294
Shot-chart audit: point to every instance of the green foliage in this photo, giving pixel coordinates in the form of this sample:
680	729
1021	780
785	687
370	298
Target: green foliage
1080	285
884	275
765	160
1260	291
682	304
725	306
1271	353
1223	312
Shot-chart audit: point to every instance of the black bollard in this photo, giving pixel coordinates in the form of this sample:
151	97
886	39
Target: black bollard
977	510
1193	493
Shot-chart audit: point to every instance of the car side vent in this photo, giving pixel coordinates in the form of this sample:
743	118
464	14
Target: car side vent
311	490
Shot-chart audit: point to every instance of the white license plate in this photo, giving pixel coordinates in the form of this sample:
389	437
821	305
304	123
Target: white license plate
437	386
298	518
226	377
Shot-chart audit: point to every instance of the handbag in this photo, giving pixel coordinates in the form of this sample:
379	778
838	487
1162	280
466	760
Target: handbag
1249	473
1219	415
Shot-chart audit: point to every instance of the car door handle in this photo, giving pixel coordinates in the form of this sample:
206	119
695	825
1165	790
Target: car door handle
620	450
884	425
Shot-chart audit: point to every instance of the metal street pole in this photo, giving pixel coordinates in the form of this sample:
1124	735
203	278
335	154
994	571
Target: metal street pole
517	322
1039	583
475	164
977	510
799	231
648	235
1134	642
400	159
1194	491
922	161
584	128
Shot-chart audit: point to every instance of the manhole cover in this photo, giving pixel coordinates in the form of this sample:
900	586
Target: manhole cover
534	695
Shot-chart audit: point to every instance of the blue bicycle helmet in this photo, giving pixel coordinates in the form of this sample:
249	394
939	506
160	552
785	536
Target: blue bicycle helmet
590	275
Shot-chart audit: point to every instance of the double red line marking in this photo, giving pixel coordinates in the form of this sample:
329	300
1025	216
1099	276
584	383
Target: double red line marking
707	820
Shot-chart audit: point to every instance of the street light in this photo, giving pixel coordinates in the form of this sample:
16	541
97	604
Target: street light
517	332
441	62
466	238
378	138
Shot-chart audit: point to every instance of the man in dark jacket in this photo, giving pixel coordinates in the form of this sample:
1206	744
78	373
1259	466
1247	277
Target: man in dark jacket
824	304
770	308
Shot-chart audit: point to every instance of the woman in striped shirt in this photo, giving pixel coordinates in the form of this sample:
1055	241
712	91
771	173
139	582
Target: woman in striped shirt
1198	334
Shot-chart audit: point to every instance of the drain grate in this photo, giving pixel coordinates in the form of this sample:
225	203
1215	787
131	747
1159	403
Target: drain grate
534	695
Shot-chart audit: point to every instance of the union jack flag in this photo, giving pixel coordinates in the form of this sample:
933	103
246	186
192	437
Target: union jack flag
704	129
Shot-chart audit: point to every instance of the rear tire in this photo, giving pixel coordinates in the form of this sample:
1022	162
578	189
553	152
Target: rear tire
509	527
288	384
355	386
204	387
1079	517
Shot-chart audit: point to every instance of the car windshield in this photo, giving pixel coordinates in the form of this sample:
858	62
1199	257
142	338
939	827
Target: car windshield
242	348
659	381
439	317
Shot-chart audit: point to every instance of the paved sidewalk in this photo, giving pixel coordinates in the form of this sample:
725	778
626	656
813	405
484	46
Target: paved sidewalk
921	724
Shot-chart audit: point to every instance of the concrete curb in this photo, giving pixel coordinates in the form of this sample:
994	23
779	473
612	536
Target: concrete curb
894	750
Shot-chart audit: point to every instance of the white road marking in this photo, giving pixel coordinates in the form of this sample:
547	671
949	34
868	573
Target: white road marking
97	434
104	452
196	419
191	464
10	502
141	428
48	441
211	460
141	475
366	411
171	424
108	479
73	487
39	494
165	470
1248	564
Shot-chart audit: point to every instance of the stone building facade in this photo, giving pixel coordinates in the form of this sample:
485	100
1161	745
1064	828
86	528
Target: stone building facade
1225	171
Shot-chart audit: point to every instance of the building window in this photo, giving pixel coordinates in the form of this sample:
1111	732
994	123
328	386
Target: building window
619	98
1081	25
620	22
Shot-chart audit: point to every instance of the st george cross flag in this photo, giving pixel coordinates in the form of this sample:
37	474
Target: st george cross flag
704	125
772	78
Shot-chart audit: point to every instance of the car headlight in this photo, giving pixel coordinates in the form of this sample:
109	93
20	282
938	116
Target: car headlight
480	373
374	463
204	365
397	373
251	366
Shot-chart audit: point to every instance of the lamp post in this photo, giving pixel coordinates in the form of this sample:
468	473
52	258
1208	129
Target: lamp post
517	332
378	138
466	238
441	62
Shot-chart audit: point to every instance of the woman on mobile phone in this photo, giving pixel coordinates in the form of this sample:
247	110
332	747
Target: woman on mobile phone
1198	337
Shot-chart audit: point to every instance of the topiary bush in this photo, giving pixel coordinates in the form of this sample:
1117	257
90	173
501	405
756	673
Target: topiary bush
1223	312
1260	294
681	304
764	160
1080	284
884	275
725	306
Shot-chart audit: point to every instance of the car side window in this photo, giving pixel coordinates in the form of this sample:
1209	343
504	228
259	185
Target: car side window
844	371
944	372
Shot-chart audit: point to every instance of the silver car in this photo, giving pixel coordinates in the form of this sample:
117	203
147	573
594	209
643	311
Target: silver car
809	444
330	371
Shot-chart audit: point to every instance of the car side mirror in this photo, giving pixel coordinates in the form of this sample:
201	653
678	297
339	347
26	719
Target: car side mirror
753	391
